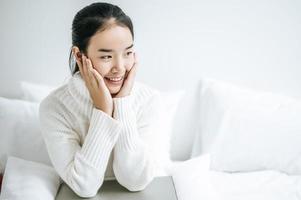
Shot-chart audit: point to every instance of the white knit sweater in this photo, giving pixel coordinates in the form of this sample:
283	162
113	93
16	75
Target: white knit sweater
86	146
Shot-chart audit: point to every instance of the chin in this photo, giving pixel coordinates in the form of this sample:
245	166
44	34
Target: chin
114	91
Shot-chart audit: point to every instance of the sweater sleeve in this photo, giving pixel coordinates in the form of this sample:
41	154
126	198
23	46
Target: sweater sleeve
82	167
142	149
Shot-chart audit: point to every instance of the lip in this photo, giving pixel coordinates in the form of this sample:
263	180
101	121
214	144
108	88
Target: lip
116	83
118	76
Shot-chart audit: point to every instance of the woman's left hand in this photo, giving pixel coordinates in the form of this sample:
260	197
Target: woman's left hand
129	81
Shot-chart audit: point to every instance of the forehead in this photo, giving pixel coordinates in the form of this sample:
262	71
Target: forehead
115	37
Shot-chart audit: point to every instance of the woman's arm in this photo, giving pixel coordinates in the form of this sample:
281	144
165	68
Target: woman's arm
81	167
142	149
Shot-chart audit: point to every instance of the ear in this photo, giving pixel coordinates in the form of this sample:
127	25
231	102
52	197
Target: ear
76	52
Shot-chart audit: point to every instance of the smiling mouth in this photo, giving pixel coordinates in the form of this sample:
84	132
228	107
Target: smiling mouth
114	80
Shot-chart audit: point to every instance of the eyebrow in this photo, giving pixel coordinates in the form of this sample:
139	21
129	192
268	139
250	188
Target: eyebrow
110	50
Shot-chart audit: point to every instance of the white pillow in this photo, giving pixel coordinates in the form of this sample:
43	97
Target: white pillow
35	92
255	130
216	97
183	106
257	138
20	132
171	100
29	180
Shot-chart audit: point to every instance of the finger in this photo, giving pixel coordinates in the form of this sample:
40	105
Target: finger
132	72
84	66
84	69
88	74
88	79
80	66
92	78
98	77
128	82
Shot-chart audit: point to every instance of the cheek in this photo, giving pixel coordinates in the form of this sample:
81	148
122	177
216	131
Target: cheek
102	68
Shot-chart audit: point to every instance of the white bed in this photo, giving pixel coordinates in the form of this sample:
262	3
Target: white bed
195	181
229	143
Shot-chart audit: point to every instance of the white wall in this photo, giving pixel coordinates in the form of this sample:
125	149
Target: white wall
253	43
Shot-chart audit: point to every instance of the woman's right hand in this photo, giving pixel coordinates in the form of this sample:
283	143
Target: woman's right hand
98	90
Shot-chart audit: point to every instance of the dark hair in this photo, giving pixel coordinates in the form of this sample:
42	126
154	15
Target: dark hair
91	19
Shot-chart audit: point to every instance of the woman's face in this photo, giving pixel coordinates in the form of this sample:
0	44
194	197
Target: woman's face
111	53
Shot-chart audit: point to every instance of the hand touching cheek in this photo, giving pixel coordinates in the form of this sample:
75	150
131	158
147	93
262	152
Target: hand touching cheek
129	80
95	83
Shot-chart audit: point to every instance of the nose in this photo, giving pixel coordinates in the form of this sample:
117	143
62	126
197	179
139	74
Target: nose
118	65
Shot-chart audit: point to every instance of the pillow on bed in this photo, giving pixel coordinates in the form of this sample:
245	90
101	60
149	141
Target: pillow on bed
254	130
35	92
29	180
20	132
215	97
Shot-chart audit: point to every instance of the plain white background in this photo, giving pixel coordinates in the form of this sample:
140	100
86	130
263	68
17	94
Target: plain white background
255	43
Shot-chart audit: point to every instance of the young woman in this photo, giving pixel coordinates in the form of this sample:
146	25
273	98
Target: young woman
102	124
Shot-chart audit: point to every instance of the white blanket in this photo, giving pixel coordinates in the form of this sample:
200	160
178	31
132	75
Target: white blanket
195	181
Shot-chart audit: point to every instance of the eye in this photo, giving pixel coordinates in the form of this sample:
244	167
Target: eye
129	53
105	57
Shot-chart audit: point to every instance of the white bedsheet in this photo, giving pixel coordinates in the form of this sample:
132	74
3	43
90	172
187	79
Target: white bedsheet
194	181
